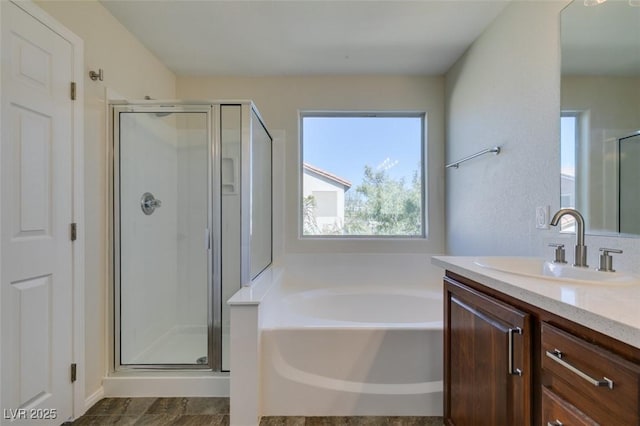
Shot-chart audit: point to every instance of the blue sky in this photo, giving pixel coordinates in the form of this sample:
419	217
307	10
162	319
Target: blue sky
344	145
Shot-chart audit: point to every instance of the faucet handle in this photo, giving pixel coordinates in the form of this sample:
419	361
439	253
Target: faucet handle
560	253
606	261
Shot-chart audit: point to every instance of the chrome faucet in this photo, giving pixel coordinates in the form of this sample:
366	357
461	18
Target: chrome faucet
581	250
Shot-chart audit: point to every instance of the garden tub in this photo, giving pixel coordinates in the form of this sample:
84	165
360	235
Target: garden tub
352	350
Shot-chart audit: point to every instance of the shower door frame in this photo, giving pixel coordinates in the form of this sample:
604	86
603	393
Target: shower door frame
214	284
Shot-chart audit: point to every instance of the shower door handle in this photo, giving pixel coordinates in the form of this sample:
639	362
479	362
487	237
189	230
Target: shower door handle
207	239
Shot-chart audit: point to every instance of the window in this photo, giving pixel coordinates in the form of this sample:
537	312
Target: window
568	142
569	132
362	174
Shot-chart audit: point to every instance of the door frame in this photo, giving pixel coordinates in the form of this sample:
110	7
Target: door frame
77	135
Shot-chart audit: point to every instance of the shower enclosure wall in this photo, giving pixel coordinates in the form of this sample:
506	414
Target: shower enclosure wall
191	225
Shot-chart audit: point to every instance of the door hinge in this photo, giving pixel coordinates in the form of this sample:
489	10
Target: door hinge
73	90
74	231
74	372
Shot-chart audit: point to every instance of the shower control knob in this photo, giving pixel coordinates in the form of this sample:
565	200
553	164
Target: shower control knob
149	203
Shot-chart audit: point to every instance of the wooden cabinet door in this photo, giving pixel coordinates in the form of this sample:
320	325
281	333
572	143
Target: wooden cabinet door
487	360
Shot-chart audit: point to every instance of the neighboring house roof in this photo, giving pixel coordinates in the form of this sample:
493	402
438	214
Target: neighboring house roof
325	174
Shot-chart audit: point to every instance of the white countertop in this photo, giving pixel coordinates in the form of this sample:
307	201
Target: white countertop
613	310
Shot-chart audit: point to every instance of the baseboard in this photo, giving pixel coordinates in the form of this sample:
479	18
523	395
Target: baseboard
93	398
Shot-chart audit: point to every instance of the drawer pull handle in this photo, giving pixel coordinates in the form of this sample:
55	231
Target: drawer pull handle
555	423
513	371
556	355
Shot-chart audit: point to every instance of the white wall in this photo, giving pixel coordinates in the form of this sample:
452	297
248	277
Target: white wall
133	71
506	90
280	98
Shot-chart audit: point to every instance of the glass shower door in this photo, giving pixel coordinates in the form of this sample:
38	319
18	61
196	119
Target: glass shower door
162	223
629	194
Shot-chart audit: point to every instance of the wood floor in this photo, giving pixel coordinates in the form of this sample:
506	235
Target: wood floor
214	411
351	421
157	412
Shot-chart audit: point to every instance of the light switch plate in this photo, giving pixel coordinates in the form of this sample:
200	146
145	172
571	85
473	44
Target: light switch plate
542	217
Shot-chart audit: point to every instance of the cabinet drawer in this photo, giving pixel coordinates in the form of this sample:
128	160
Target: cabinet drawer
603	385
557	412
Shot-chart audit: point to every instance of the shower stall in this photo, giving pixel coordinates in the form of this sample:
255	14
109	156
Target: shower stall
191	224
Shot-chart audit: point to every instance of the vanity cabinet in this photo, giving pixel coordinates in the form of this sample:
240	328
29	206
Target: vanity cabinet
508	362
487	360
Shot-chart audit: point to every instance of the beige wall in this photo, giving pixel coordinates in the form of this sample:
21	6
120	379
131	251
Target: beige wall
133	71
280	98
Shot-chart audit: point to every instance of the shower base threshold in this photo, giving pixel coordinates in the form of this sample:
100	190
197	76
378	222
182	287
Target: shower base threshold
166	384
179	345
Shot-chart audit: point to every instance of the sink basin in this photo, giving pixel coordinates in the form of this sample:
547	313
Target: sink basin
540	268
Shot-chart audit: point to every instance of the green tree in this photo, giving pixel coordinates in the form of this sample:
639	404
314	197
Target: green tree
309	225
382	205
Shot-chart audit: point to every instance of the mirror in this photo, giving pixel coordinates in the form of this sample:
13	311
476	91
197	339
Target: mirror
600	123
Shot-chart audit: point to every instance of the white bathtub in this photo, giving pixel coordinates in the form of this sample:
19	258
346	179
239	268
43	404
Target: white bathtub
352	350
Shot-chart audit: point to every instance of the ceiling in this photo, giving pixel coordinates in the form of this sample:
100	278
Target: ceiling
306	37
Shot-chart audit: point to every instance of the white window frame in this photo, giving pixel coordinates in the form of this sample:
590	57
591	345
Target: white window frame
567	224
369	114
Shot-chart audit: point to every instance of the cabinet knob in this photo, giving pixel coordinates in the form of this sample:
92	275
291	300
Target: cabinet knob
556	422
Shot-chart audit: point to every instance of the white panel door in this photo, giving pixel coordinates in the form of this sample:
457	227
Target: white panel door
36	191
